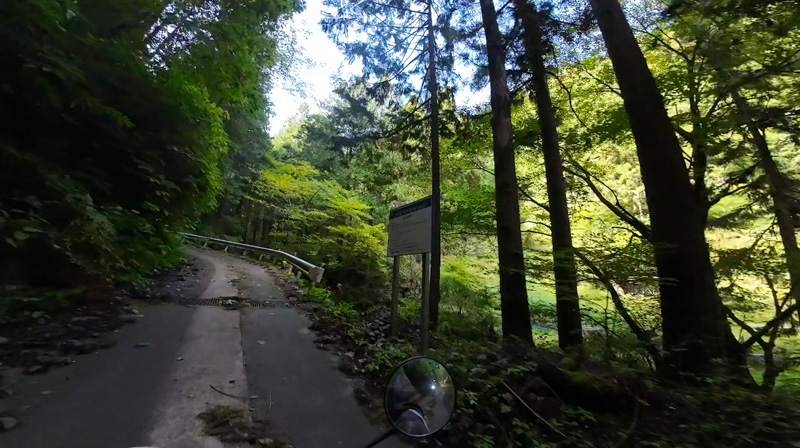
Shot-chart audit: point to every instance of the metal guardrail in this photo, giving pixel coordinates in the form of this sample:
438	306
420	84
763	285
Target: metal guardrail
312	271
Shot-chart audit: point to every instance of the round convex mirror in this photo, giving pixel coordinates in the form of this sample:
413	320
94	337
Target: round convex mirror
421	397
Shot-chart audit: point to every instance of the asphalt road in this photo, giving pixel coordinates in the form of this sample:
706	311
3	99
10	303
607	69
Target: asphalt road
149	396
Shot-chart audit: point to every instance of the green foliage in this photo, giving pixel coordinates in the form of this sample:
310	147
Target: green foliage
344	310
409	308
123	121
322	296
386	357
117	120
299	211
467	307
100	189
319	295
29	300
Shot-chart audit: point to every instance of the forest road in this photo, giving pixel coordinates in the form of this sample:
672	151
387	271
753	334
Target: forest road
148	389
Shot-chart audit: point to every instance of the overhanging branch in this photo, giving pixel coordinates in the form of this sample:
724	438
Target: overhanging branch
615	207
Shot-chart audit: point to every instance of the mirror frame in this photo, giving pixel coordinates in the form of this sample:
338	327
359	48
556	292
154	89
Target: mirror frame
386	394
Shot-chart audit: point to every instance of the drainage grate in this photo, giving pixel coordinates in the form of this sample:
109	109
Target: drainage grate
244	302
200	302
269	303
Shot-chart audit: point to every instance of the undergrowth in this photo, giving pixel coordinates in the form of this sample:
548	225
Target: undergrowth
511	397
530	398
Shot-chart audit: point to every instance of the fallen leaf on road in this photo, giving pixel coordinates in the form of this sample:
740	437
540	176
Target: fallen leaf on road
261	342
32	370
7	423
178	359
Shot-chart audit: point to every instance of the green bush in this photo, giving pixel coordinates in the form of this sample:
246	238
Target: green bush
319	295
323	222
409	308
355	258
467	307
344	310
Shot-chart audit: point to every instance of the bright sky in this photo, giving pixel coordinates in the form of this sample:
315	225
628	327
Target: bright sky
327	63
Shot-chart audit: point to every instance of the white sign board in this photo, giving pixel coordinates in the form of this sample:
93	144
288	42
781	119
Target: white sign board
410	228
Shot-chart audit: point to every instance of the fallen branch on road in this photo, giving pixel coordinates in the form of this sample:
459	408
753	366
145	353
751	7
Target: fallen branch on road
252	397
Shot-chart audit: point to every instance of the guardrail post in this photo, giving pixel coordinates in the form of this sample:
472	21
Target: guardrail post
315	274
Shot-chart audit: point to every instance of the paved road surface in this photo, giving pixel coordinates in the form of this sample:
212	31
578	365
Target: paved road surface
126	397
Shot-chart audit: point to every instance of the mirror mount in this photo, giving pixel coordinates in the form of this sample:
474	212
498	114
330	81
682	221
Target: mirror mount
382	437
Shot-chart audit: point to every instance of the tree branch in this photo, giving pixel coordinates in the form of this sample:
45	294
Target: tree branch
530	198
738	178
615	208
398	130
603	83
569	98
684	133
637	329
777	320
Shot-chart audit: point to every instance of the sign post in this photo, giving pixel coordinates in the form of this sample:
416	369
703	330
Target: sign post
425	312
395	294
409	234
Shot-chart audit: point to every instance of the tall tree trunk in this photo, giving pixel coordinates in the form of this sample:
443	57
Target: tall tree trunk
777	190
513	293
247	218
436	196
696	330
568	309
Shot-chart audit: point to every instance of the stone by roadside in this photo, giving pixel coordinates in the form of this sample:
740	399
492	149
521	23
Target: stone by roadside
186	281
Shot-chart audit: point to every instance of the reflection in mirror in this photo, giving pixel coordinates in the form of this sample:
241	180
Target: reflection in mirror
420	397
